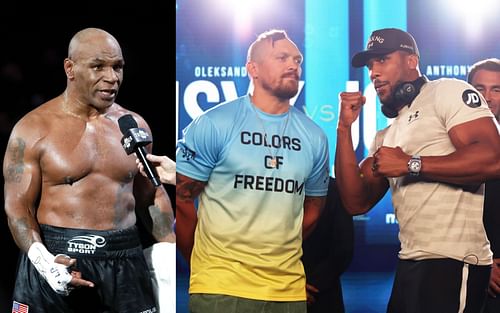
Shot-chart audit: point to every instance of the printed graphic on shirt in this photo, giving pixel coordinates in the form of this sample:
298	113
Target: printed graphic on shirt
186	153
471	98
413	116
279	144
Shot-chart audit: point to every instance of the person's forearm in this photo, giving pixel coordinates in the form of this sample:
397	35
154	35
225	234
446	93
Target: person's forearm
24	230
313	206
186	225
187	190
348	174
469	165
162	217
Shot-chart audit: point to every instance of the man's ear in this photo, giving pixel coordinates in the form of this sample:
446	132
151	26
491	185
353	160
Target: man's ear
69	68
412	61
252	69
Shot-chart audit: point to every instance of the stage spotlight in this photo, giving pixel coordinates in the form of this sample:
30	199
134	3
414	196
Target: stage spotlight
248	7
473	9
474	14
245	14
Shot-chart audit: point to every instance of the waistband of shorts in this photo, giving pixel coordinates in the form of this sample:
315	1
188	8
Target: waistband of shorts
91	243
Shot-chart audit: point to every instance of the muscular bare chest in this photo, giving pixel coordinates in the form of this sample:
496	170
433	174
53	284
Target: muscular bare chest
75	150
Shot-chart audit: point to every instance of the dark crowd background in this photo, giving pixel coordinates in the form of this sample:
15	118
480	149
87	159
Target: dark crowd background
33	46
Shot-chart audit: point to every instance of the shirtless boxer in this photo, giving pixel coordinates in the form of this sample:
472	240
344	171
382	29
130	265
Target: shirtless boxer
72	193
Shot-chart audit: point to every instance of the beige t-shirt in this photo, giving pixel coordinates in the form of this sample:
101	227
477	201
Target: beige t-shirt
437	220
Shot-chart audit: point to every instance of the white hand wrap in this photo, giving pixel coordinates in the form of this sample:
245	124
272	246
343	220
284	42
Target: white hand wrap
55	274
161	259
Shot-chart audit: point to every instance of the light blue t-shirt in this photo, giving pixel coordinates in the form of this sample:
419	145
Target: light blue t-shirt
249	233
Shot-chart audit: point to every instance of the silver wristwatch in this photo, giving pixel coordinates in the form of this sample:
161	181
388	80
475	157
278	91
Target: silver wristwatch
414	165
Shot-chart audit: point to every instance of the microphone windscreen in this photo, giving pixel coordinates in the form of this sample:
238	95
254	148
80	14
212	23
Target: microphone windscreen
126	122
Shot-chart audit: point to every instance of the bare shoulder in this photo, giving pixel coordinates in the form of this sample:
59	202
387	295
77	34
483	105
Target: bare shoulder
29	132
35	124
119	111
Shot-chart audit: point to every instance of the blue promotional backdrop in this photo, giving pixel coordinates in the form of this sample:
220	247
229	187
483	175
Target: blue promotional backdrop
212	37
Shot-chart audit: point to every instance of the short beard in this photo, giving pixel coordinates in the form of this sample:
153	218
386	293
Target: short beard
286	93
390	108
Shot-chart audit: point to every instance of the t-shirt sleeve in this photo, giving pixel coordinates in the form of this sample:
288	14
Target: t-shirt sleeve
197	152
458	102
317	183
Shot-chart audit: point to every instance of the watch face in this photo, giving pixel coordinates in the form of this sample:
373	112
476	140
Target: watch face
415	166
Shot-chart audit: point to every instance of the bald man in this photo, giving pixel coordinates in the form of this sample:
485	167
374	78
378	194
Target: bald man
72	193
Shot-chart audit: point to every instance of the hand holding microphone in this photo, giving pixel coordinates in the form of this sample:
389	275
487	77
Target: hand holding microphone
164	166
134	140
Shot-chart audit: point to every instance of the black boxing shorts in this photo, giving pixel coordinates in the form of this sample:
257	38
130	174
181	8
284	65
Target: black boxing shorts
112	260
438	286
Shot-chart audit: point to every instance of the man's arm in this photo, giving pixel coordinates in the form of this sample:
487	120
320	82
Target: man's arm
160	211
313	206
22	179
494	284
359	189
155	209
157	201
187	190
336	235
475	160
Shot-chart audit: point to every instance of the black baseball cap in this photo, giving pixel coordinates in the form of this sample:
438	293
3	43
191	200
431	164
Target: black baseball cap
385	41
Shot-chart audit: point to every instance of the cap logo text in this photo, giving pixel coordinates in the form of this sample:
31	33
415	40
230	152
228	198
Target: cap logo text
406	47
374	39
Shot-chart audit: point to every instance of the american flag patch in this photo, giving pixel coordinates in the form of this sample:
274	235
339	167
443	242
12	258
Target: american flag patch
19	307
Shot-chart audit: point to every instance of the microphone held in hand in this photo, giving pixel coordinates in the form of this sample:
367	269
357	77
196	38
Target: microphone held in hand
134	140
